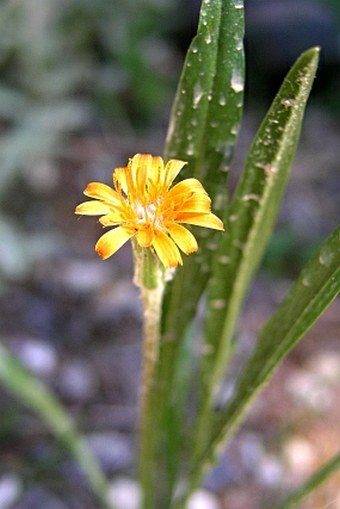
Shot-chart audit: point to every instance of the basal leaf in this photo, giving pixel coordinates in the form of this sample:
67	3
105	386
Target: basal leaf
253	211
203	128
315	289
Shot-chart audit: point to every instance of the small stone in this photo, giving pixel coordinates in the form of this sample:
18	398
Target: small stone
83	277
78	381
36	355
252	451
202	499
326	365
308	388
10	488
113	451
270	471
124	493
300	456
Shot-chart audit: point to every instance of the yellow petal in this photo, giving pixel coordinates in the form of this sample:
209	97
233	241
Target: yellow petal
199	202
111	241
119	179
166	250
185	187
130	181
206	220
145	236
140	167
102	192
155	178
183	238
172	169
92	208
111	219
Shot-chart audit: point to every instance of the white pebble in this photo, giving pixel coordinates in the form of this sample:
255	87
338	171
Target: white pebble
77	380
124	494
202	499
300	455
10	488
270	471
38	356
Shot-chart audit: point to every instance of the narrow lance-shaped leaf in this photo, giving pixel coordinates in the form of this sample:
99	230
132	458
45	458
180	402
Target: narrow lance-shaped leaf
253	211
184	141
315	289
190	108
203	128
207	128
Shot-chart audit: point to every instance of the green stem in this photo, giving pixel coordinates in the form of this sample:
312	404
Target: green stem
149	277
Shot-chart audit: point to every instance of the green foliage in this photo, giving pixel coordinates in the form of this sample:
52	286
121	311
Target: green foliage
34	393
71	66
315	289
204	125
67	68
252	212
203	128
203	132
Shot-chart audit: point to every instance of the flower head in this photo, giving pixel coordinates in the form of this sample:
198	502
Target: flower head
144	205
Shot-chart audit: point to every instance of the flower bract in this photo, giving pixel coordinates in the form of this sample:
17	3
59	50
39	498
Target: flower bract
145	205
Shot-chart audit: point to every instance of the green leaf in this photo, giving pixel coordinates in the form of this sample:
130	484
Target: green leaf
35	394
315	289
252	213
203	128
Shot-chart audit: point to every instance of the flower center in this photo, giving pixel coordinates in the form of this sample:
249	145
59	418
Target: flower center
145	213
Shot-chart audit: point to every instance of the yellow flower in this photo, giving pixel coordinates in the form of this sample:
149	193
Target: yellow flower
142	204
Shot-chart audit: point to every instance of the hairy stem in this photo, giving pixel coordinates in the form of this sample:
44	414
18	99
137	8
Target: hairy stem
149	277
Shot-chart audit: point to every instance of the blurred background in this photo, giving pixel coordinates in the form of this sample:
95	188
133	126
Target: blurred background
83	86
